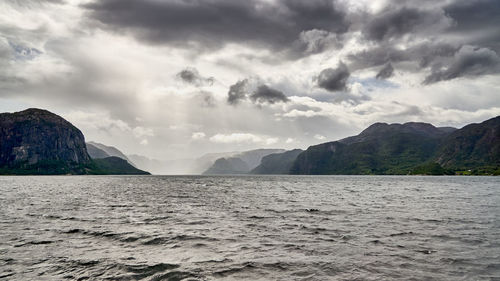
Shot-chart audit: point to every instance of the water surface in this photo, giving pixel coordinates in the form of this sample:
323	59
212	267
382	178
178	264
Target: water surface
249	228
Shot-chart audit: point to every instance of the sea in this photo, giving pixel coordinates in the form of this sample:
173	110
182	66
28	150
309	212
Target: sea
249	228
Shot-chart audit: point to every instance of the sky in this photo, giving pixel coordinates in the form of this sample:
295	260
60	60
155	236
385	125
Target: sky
172	79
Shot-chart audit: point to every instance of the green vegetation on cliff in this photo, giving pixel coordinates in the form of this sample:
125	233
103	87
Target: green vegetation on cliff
411	148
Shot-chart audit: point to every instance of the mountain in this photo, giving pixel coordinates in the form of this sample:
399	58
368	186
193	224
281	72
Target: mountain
114	166
253	157
95	152
277	163
250	158
473	146
410	148
108	150
36	141
203	163
228	166
380	149
179	166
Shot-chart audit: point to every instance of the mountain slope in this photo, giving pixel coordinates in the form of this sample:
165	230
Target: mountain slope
251	159
277	163
380	149
473	146
95	152
110	151
230	165
254	157
114	166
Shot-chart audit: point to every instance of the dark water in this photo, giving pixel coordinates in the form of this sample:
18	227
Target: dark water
250	228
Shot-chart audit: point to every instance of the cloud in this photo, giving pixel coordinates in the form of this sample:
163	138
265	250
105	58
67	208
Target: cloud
422	54
394	23
243	138
255	91
192	76
477	19
319	137
236	138
265	94
386	72
118	60
237	92
468	61
313	42
333	79
271	141
215	23
198	136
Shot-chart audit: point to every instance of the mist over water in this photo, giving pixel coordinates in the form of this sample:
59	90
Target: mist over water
250	228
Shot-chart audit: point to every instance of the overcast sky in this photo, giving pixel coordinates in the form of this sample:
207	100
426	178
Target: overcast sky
178	78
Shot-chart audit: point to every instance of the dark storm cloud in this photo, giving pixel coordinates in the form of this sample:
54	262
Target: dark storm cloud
237	92
478	19
213	23
468	61
473	15
422	54
334	79
394	23
386	72
259	94
265	94
192	76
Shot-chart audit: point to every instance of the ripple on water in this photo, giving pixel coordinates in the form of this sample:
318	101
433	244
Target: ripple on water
249	228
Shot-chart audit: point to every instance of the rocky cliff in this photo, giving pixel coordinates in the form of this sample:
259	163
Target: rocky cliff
410	148
380	149
475	145
38	142
36	137
277	163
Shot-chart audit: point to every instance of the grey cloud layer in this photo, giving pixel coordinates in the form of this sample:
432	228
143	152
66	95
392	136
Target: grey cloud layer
427	33
213	23
468	61
258	93
334	79
192	76
386	72
446	40
397	22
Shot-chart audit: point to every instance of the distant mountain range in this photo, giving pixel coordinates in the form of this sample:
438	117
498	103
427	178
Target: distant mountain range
240	163
38	142
277	163
99	151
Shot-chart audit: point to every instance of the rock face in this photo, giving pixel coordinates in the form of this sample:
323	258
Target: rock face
410	148
95	152
277	163
380	149
99	150
240	162
38	142
228	166
36	136
475	145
